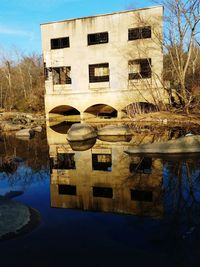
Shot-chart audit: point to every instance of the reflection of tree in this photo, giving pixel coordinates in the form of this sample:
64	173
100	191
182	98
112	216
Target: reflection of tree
25	176
34	151
24	162
182	195
8	165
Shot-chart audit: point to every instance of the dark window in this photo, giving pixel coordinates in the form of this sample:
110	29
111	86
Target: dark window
64	189
65	161
99	73
102	162
98	38
139	33
62	75
139	68
58	43
141	195
106	192
143	166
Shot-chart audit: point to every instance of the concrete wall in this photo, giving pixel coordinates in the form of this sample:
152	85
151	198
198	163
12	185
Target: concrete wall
118	92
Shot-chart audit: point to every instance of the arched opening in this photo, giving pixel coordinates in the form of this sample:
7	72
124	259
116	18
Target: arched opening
101	111
65	110
62	117
139	108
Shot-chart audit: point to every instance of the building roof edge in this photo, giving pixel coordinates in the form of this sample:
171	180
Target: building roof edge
101	15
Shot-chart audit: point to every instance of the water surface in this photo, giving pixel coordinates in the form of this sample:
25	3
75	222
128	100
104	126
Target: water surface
100	206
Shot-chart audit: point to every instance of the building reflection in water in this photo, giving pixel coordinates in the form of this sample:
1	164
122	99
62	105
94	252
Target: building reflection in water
104	178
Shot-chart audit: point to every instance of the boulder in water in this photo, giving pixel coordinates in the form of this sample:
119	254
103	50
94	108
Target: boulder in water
81	132
25	133
114	130
186	144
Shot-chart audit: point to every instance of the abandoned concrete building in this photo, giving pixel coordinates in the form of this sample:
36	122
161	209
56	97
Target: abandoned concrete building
99	65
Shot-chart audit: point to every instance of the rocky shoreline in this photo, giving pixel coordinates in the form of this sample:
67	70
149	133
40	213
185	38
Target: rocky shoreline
16	121
12	122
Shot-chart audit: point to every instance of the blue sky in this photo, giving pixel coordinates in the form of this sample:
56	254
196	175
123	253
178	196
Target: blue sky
20	19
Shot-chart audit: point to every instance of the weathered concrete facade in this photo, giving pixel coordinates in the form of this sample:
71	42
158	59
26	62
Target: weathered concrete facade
104	60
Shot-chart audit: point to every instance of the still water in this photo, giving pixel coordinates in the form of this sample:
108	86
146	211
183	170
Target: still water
100	206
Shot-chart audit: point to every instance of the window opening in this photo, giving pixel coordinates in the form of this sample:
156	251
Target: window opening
98	38
64	189
99	72
65	161
139	33
139	68
106	192
141	195
144	166
102	162
59	43
62	75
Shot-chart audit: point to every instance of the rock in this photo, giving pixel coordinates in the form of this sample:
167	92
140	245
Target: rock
10	127
21	120
114	130
16	218
80	132
13	216
25	133
12	194
115	138
186	144
82	145
37	129
14	121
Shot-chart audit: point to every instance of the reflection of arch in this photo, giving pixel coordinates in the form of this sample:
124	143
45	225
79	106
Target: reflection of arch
61	128
139	108
101	110
63	113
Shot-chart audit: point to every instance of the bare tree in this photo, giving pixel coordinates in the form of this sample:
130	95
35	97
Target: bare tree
21	81
181	38
181	34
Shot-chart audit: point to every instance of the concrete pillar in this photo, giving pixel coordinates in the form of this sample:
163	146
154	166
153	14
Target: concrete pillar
82	116
119	114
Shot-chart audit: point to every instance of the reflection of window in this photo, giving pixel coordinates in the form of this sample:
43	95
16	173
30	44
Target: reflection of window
106	192
97	38
66	161
99	72
62	75
143	166
58	43
141	195
64	189
139	68
102	162
139	33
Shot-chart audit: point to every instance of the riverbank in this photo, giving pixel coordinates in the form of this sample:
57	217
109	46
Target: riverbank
157	119
15	121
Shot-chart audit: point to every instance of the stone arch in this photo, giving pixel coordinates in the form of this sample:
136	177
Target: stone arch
63	113
65	110
139	108
100	110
